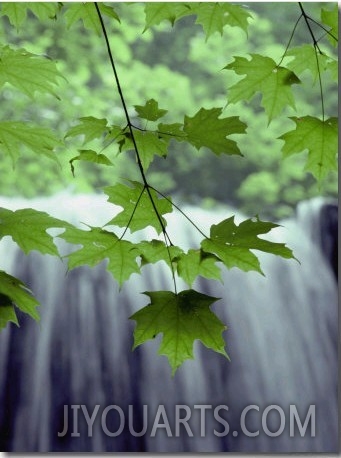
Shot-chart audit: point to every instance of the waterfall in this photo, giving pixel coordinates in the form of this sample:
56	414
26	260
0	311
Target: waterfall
281	338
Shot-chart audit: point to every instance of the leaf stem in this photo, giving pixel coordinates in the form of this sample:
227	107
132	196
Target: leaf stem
289	42
182	212
306	19
131	131
317	50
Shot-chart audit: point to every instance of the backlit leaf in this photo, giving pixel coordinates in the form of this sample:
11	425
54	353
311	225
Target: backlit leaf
28	72
232	243
97	245
330	18
205	128
181	318
17	11
320	138
150	110
149	144
157	12
155	250
90	127
263	75
305	59
14	136
90	156
196	263
215	16
27	227
85	12
137	207
175	130
13	291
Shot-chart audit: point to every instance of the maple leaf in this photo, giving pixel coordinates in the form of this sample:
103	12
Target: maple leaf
157	12
16	134
320	138
149	144
17	11
168	131
97	245
196	263
150	110
263	75
14	291
90	127
330	18
86	12
215	16
27	227
205	128
182	318
155	250
304	58
136	204
232	243
43	10
28	72
90	156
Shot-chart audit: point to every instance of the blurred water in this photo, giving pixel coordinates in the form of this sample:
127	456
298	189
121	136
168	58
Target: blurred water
282	340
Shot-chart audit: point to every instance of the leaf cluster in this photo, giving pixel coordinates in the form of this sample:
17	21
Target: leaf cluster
182	317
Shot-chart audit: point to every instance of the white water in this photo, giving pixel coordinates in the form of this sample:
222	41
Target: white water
282	340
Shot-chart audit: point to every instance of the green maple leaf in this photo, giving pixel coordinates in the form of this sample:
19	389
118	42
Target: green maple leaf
136	204
181	318
97	245
17	11
196	263
86	12
27	227
157	12
43	10
90	127
28	72
215	16
150	110
232	243
15	134
320	138
13	291
89	155
333	67
304	58
237	16
155	250
263	75
168	131
149	144
330	18
205	128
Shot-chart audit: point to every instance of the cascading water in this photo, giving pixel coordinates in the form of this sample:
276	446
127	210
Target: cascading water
282	340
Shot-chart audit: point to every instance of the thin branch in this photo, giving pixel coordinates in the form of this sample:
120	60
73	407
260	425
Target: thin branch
290	39
181	211
323	27
320	82
130	126
306	17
